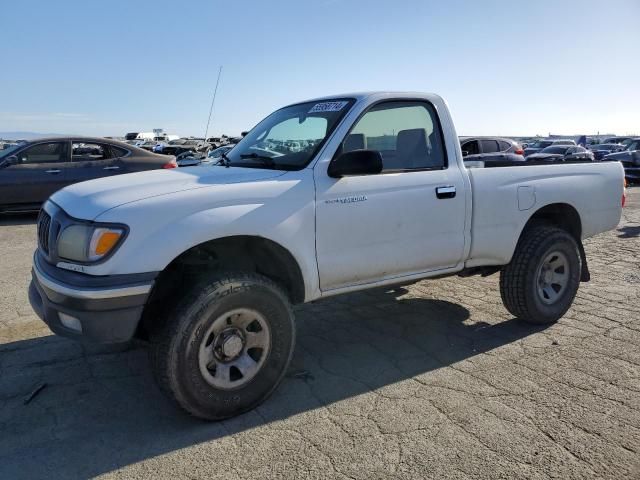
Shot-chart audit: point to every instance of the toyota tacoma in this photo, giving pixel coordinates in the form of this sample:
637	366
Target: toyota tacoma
322	197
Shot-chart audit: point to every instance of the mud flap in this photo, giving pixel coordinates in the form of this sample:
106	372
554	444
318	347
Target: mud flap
585	275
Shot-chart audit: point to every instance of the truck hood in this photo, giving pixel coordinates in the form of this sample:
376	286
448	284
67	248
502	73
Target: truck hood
87	200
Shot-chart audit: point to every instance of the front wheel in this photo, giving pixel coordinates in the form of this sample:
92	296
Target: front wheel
226	347
542	279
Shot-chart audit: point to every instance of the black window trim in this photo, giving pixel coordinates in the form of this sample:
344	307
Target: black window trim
445	166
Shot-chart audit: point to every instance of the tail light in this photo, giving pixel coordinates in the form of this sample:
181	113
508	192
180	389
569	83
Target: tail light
519	151
171	164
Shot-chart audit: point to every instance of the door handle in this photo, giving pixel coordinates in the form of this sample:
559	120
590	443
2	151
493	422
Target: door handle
53	171
112	168
447	191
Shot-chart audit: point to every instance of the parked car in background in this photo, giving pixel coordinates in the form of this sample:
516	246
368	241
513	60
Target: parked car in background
491	149
621	140
4	144
630	159
176	147
139	136
159	146
218	152
600	150
31	172
190	159
148	145
542	144
561	153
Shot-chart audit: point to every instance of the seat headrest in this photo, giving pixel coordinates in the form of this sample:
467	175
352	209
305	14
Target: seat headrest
412	147
355	141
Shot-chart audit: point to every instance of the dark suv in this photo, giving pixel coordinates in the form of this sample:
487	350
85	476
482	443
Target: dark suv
30	172
491	149
630	159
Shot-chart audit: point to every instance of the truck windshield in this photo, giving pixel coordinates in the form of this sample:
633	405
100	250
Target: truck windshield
289	138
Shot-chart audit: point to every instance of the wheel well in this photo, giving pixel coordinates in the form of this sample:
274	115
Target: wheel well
236	253
561	215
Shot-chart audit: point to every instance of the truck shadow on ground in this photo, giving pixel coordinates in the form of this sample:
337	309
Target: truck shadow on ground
100	409
13	219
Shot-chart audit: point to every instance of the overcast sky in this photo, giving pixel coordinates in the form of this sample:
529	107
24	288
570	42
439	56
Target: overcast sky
512	67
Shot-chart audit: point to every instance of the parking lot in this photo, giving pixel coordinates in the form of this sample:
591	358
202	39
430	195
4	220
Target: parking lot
435	380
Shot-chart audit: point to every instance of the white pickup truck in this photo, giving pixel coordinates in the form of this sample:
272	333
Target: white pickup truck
205	262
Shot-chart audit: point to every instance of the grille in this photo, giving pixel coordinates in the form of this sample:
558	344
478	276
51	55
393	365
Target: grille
44	224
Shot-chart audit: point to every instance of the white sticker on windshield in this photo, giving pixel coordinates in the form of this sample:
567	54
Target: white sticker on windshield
327	107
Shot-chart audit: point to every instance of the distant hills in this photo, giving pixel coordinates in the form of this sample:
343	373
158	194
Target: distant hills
27	135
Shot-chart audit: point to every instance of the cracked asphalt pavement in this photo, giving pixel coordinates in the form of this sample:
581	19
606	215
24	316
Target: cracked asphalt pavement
435	380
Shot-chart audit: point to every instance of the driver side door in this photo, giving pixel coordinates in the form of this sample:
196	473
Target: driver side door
40	171
406	220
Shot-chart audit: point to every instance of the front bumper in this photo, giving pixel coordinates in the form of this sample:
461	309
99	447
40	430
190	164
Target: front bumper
95	309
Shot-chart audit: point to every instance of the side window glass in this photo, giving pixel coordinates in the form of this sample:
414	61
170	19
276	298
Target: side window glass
504	146
43	153
405	133
489	146
89	151
471	147
117	151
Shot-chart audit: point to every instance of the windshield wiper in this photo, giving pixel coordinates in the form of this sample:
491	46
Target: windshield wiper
268	161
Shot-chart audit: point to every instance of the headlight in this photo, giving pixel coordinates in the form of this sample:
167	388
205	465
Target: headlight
87	243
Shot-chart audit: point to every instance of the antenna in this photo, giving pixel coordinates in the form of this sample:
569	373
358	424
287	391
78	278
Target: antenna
213	100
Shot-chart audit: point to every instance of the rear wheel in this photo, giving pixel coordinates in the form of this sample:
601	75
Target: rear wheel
541	281
226	347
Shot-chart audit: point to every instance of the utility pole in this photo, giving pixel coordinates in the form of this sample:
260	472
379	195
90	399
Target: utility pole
213	100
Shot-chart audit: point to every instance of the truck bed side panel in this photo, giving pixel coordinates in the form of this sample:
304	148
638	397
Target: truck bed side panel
499	215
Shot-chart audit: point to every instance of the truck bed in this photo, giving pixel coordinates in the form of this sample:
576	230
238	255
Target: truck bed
504	198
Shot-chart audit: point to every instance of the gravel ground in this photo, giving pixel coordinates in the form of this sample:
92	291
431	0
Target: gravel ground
435	380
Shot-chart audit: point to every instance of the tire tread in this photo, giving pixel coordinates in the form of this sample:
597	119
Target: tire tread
513	277
163	338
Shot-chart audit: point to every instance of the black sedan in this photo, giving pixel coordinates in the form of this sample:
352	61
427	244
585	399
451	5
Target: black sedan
630	159
181	145
600	150
32	171
562	153
492	150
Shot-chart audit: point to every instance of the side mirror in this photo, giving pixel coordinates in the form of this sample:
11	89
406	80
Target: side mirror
465	153
243	134
10	160
356	162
